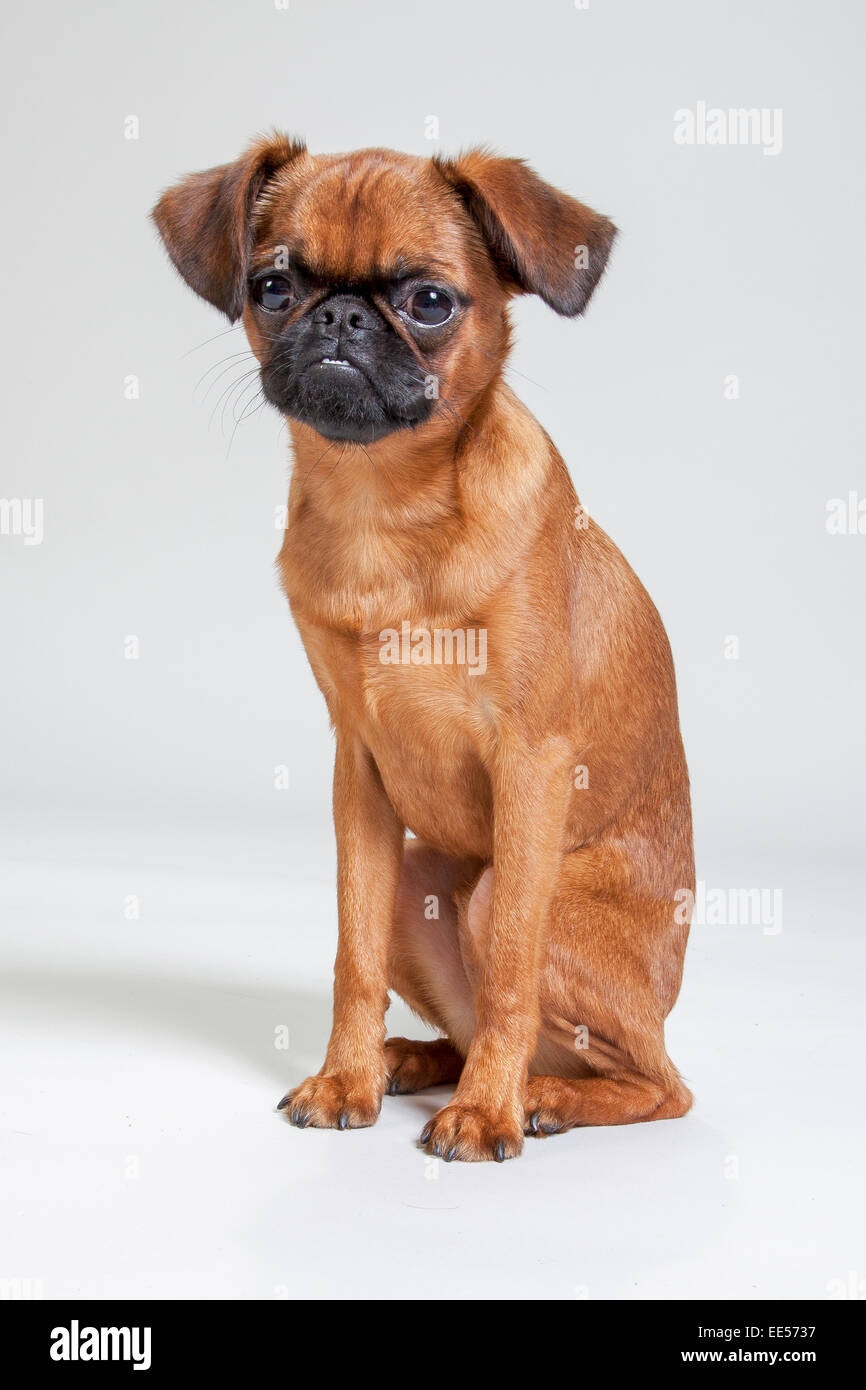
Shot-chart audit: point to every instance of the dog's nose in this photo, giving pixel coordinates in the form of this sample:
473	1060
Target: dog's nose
346	314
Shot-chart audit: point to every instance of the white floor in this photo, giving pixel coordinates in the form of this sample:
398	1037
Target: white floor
142	1156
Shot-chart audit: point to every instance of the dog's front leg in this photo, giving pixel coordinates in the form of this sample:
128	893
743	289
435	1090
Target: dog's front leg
347	1092
530	799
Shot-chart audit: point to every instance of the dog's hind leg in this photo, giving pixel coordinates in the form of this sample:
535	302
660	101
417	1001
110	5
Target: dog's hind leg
610	976
554	1104
414	1065
612	973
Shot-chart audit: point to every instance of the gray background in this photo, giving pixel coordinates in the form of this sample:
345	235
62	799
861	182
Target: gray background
118	774
729	261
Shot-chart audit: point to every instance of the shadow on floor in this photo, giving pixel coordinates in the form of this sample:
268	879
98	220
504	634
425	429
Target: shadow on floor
210	1013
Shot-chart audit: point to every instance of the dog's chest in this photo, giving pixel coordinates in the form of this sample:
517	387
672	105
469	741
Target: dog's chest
418	698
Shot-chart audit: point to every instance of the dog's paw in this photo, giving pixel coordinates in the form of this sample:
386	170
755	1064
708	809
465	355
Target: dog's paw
548	1106
413	1065
472	1133
335	1101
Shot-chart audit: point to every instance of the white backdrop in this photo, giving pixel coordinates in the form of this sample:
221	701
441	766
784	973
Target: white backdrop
165	744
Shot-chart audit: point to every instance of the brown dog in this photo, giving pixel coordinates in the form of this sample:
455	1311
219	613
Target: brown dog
498	679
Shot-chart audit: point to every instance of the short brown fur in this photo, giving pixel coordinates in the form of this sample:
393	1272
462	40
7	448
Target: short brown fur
557	950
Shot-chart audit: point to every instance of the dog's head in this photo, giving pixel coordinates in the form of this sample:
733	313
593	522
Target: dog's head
373	286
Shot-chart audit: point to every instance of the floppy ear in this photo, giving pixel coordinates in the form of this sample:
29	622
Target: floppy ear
541	241
205	221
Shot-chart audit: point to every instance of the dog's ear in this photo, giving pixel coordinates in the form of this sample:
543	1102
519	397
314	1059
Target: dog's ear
540	240
205	221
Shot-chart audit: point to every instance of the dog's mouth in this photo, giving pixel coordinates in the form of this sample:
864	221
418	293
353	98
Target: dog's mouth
341	398
335	362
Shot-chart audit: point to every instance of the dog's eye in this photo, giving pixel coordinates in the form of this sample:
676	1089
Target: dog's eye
273	292
430	306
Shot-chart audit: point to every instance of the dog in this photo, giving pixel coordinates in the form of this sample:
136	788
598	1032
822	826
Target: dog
514	837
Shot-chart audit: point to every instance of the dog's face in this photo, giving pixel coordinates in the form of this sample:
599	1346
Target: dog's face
365	294
374	286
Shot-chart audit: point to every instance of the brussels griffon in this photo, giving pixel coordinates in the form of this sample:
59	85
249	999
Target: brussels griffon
500	683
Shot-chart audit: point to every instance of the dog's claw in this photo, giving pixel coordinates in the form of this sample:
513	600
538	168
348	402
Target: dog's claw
499	1153
343	1121
426	1132
533	1122
284	1102
449	1157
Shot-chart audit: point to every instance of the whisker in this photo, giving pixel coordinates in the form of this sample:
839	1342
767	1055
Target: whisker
241	404
233	396
454	413
506	367
540	384
449	405
376	470
231	361
340	458
312	469
231	386
247	412
234	328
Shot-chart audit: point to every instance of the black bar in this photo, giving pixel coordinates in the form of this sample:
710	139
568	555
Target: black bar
239	1337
